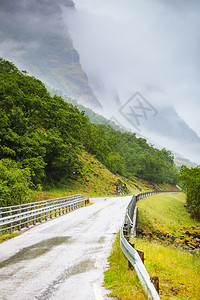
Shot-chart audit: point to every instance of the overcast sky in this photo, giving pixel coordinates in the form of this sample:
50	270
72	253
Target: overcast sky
125	46
150	46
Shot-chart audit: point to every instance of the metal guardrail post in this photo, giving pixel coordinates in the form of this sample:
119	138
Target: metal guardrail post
19	226
51	204
27	220
55	210
62	208
59	212
46	204
66	205
34	217
10	214
40	213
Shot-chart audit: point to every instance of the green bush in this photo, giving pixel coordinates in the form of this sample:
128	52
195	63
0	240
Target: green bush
14	183
45	136
190	181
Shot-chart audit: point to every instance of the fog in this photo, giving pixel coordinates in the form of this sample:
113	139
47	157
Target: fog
146	48
150	47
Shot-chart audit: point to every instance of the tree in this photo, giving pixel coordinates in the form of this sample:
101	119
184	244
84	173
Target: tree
46	136
14	183
190	182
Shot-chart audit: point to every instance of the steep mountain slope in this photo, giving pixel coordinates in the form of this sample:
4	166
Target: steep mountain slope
170	130
34	36
167	130
169	123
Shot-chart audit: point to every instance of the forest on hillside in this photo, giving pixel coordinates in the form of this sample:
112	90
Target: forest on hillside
42	138
190	181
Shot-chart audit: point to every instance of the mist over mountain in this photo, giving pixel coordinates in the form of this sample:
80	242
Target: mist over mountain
169	129
34	36
101	54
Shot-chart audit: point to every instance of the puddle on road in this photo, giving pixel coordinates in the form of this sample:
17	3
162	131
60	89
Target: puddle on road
82	267
101	240
35	250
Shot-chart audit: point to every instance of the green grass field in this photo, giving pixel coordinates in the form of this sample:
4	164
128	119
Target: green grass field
7	236
122	281
164	212
178	270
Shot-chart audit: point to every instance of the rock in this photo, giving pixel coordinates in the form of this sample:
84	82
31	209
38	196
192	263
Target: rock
54	55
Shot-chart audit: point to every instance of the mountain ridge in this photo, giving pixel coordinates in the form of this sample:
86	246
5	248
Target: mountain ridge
34	36
44	46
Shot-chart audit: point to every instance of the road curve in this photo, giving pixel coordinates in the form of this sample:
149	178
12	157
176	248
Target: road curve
64	258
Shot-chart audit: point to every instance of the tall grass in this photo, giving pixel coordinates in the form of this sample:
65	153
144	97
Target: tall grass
122	281
164	212
178	270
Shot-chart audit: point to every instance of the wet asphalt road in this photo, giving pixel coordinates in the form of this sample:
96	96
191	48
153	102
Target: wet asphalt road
64	258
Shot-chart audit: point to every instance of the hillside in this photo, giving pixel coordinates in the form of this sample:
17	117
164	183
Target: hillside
97	118
97	181
45	49
43	138
169	239
44	46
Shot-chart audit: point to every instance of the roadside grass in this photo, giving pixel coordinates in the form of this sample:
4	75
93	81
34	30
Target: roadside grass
122	281
7	236
178	270
164	212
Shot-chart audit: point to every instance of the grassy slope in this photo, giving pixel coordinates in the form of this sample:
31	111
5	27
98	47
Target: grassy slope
178	270
167	211
96	181
122	281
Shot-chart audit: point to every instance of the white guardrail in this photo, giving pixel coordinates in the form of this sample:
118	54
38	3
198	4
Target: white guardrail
129	227
24	215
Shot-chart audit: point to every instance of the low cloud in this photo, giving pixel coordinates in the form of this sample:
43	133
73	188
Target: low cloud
148	46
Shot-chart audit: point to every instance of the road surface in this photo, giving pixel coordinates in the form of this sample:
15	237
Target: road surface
64	258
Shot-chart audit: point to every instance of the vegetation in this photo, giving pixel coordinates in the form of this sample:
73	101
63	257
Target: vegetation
166	222
167	211
8	236
95	181
190	181
122	281
14	183
178	270
43	138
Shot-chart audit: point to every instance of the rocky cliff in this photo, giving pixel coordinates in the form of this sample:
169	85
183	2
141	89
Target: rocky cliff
34	37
